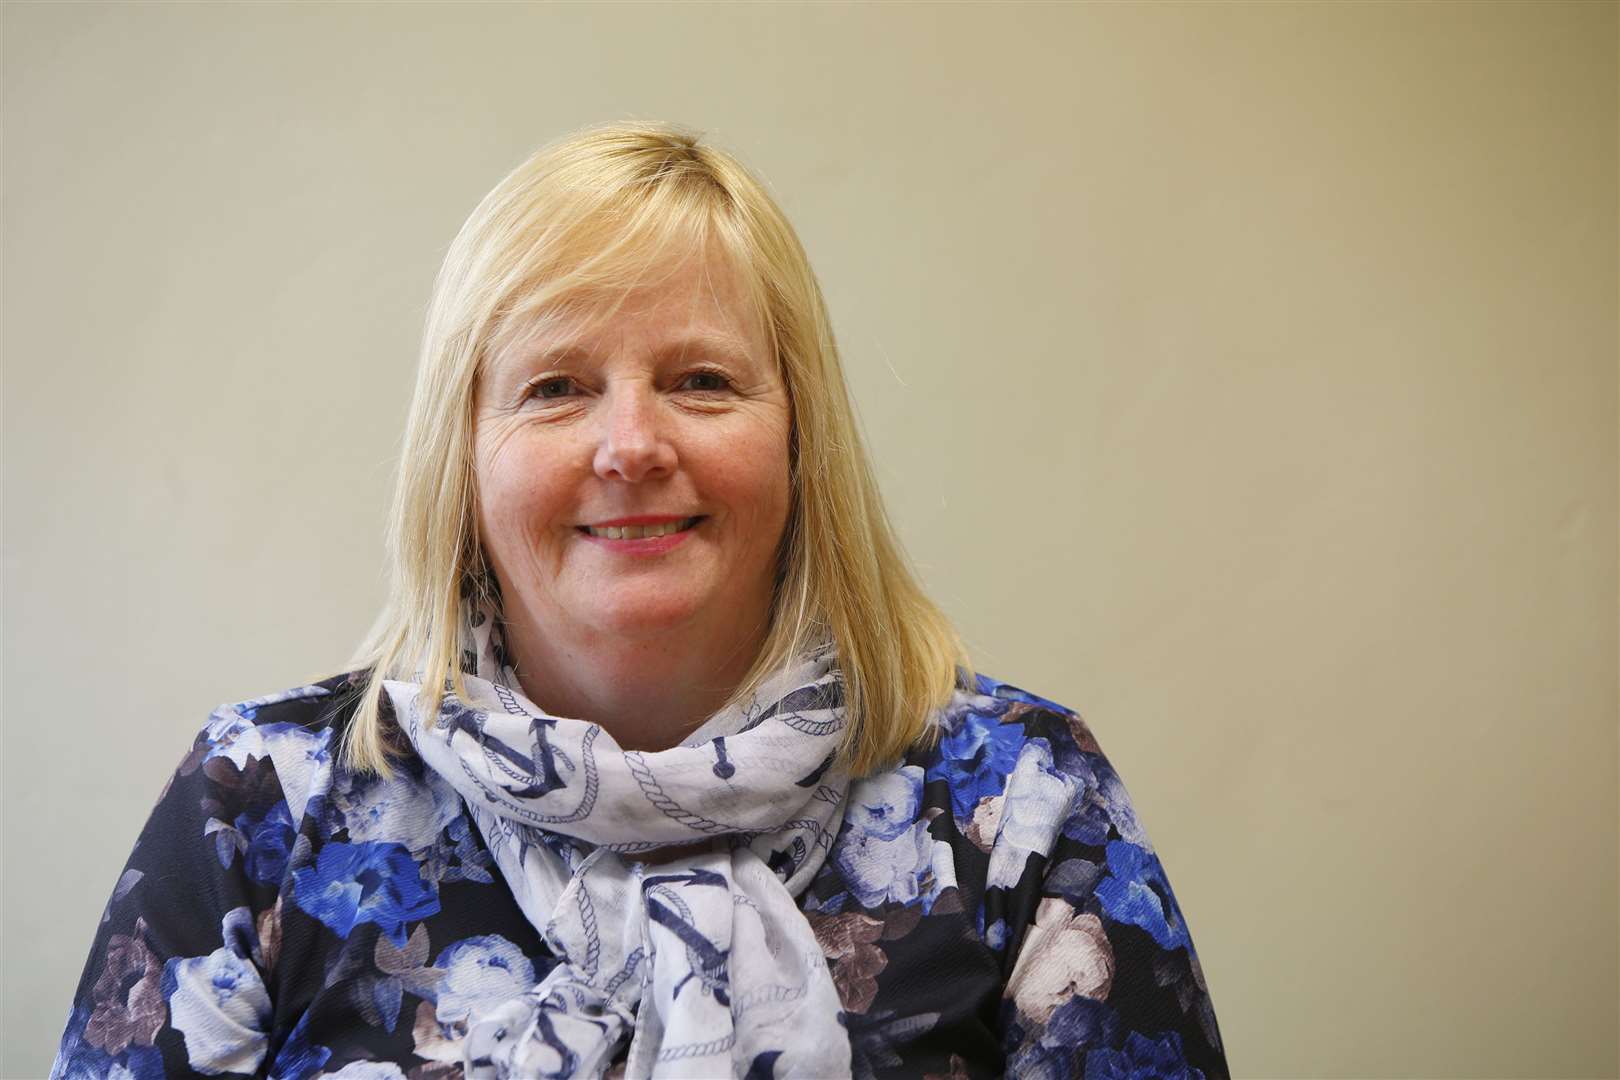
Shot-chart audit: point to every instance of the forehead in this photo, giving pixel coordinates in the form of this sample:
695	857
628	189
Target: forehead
672	296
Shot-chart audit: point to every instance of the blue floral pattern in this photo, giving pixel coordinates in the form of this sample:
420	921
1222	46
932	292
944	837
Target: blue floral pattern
377	883
991	905
977	752
219	1006
480	971
1136	892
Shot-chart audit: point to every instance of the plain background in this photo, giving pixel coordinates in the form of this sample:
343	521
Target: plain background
1243	376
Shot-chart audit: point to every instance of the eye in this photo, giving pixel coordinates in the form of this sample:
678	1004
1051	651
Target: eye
706	381
555	386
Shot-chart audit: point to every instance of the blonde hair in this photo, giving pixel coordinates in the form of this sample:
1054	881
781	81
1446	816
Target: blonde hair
583	217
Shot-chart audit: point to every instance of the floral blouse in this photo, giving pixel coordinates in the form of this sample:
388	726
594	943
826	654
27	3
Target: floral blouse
991	905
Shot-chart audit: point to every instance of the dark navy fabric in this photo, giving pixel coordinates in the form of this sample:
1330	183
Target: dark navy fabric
991	906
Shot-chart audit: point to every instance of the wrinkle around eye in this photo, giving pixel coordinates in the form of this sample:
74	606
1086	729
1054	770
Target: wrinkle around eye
491	438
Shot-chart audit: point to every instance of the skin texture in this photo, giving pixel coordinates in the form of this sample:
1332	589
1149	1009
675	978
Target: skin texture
673	405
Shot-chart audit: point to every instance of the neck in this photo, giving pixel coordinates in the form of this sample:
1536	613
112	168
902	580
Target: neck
648	693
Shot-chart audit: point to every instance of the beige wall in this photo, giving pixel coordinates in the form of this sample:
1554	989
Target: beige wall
1242	376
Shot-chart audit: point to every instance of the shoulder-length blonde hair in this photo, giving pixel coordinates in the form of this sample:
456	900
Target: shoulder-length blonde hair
583	218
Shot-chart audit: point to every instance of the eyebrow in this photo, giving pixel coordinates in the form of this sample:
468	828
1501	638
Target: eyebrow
729	345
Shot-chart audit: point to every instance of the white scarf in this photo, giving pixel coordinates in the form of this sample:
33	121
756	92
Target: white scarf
704	960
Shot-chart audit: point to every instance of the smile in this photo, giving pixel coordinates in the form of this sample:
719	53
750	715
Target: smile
640	532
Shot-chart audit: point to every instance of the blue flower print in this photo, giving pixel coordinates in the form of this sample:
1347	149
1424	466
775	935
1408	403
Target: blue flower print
269	839
1034	807
250	708
1055	1052
456	856
1082	1021
299	1058
350	884
222	729
219	1005
1103	806
480	972
975	757
302	758
366	1070
407	808
79	1059
1142	1059
885	852
884	806
986	904
1009	692
1120	810
1136	892
1091	817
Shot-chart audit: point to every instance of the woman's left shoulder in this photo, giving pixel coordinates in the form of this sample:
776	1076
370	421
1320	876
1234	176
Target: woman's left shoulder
995	740
1073	898
990	702
1012	819
1009	783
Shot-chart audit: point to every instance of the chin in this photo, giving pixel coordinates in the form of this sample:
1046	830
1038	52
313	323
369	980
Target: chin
643	616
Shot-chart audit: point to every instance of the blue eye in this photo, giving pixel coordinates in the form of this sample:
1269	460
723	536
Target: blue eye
559	386
706	381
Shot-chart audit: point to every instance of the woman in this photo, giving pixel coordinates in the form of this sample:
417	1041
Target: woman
659	762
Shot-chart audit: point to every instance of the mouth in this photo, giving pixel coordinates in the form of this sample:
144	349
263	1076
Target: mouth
640	528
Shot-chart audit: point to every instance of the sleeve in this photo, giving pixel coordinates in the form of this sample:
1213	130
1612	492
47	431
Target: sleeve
1103	978
175	984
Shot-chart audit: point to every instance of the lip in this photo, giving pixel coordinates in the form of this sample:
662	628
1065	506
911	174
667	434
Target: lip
640	519
647	546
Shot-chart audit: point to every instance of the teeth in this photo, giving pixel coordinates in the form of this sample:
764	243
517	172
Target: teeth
640	532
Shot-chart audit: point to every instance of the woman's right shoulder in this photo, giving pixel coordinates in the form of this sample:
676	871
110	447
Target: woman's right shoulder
289	746
322	705
297	733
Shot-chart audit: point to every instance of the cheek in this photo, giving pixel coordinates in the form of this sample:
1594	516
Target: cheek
759	479
520	503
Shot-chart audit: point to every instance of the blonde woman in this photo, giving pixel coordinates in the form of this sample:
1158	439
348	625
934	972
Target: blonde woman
659	762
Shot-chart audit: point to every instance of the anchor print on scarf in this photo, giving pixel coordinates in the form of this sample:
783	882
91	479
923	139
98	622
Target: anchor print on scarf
702	956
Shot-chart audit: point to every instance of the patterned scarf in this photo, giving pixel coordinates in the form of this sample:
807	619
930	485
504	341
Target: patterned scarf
703	959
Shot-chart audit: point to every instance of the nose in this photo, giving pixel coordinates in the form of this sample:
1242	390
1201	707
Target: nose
633	445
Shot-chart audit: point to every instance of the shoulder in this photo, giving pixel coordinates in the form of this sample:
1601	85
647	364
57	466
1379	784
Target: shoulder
996	742
293	741
267	775
1006	716
1074	895
982	805
316	707
288	740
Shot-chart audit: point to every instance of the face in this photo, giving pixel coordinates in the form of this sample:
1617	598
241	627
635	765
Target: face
632	470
